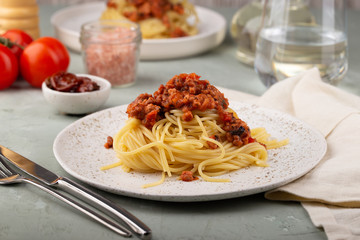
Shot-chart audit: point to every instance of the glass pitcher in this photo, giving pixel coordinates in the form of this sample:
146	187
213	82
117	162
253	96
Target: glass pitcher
288	43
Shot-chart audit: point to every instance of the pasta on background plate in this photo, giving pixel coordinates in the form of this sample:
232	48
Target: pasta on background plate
186	128
157	18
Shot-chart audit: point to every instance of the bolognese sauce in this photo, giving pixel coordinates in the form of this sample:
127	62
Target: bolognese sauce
187	176
188	93
145	9
109	142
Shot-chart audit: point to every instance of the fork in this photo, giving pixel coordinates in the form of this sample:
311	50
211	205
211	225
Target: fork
9	176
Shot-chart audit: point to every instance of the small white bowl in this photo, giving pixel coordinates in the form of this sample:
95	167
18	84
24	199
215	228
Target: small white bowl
79	103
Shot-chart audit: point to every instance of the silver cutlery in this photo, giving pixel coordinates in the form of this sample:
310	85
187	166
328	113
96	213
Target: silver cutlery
9	176
51	179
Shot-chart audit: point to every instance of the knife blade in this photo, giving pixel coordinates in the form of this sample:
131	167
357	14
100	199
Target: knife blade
92	198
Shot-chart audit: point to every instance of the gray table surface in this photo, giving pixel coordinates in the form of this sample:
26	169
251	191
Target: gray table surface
29	126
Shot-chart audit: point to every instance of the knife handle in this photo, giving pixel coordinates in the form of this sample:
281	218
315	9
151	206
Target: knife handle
112	225
101	203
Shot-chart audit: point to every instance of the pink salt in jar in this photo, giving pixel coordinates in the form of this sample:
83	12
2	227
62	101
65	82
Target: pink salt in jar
111	49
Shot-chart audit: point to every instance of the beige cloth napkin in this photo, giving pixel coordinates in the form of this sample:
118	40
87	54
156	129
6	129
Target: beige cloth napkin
331	191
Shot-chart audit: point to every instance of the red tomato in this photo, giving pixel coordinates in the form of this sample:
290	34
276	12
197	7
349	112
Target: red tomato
18	37
42	58
9	67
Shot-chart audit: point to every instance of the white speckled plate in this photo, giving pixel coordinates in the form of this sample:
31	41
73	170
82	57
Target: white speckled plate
212	29
79	149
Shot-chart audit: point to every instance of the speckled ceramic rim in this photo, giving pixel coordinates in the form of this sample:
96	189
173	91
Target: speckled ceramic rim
79	150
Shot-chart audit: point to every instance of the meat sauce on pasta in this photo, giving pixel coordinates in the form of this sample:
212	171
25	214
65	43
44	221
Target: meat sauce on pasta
186	128
188	93
157	18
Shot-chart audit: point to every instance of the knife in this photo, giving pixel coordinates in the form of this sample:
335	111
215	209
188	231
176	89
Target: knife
92	198
9	176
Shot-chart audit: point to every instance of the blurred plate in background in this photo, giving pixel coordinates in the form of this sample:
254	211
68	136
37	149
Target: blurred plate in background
212	29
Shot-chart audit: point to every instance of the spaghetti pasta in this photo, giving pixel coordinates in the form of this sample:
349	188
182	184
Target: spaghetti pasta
200	145
157	18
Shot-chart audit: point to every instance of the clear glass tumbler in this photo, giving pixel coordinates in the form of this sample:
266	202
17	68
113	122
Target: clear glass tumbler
297	35
244	30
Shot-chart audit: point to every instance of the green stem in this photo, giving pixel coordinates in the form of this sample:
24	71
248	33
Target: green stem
8	43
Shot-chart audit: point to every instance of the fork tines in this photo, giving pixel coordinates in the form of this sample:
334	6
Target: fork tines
5	170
